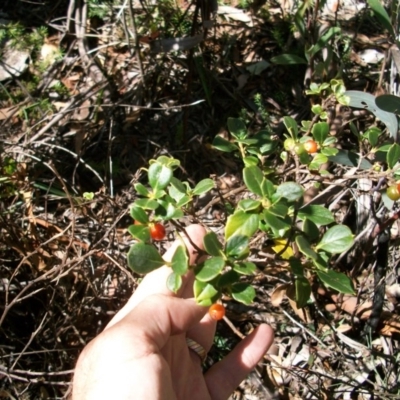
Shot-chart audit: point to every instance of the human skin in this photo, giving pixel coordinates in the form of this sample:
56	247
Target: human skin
142	353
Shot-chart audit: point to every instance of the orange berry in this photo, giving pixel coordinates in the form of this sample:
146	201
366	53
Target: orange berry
217	311
311	146
157	231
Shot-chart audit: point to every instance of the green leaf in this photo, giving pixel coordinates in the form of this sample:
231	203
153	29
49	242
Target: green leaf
237	128
337	239
208	270
241	223
212	245
147	204
159	176
204	293
320	131
381	15
296	267
245	268
288	59
372	134
138	214
250	161
350	159
140	232
278	225
179	186
249	205
366	101
305	247
311	230
180	261
224	145
329	151
141	189
253	178
317	214
388	103
324	39
291	126
393	155
203	187
280	209
290	190
237	246
227	279
303	291
243	292
337	281
174	282
144	258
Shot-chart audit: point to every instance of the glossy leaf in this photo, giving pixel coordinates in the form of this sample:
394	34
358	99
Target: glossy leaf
204	293
277	224
237	128
208	270
237	246
203	187
212	245
224	145
320	131
144	258
253	178
393	155
138	214
243	292
317	214
305	247
303	291
324	39
336	280
311	230
141	189
227	279
291	126
140	232
159	176
249	204
174	282
180	261
147	204
241	223
337	239
290	190
245	268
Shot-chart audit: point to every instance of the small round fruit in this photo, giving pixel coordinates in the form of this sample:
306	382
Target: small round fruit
217	311
289	144
311	146
393	192
157	231
299	148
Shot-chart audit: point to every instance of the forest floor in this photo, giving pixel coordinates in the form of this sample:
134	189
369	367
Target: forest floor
106	86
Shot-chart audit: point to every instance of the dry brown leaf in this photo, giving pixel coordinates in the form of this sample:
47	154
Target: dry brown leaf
279	294
7	112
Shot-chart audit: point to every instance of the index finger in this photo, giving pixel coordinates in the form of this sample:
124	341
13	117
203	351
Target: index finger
155	281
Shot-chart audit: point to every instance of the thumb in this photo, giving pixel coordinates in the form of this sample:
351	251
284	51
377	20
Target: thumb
160	316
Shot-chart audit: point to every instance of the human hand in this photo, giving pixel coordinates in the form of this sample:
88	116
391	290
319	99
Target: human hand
143	354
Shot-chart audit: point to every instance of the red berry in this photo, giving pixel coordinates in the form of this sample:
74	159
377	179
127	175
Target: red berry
217	311
311	146
393	192
157	231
